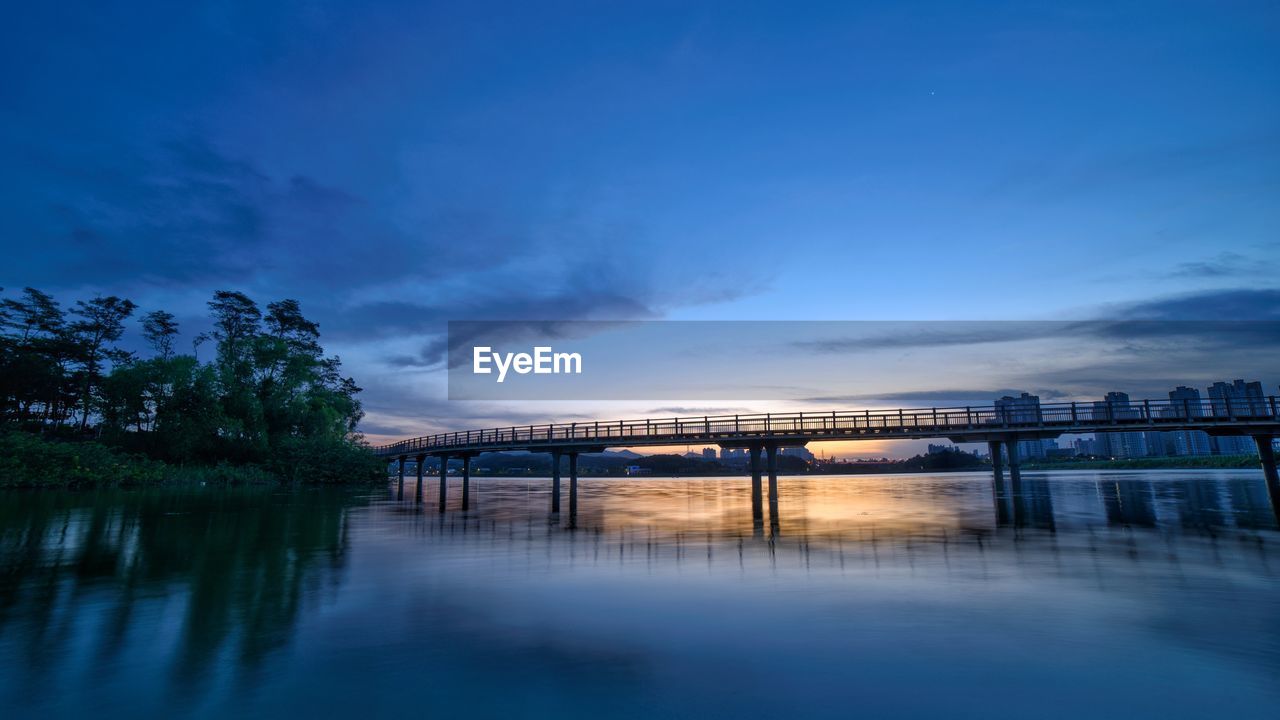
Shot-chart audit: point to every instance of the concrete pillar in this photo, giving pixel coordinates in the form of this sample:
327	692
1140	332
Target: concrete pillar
757	502
772	451
466	482
1268	457
555	481
997	462
444	481
573	488
422	461
400	492
1015	468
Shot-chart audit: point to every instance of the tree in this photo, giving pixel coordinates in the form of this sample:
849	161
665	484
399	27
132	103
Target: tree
37	351
270	397
101	322
159	328
236	320
36	314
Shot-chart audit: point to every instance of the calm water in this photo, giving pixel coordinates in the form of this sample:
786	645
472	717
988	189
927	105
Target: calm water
1136	594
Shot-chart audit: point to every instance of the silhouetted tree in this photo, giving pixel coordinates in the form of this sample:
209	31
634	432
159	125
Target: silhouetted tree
159	328
269	396
101	322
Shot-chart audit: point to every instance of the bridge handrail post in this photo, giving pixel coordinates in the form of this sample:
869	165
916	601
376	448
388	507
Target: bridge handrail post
833	419
1111	416
1227	398
968	416
1273	406
768	422
736	427
901	422
706	425
1146	409
1074	419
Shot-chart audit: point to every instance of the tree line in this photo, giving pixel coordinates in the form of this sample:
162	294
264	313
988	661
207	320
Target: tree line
269	396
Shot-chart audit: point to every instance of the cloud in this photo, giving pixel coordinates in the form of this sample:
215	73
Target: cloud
1237	304
934	398
680	410
1224	264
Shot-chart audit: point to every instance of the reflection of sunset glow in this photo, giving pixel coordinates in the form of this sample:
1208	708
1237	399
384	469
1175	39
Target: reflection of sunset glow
832	449
815	506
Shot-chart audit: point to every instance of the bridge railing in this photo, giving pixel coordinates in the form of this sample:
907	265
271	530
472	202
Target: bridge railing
717	427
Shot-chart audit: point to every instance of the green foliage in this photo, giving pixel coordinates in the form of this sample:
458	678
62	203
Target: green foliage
269	398
29	461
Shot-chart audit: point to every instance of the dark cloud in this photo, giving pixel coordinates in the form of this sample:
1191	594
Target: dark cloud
1224	264
1240	318
1238	304
934	398
936	334
680	410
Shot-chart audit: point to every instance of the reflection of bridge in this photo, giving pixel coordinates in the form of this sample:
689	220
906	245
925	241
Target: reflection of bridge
998	426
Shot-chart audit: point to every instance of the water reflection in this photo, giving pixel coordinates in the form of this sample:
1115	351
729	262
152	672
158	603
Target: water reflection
220	574
666	594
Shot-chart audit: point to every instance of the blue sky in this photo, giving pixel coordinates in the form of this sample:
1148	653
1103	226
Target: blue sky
396	165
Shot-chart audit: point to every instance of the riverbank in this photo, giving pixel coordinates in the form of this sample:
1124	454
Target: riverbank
1225	462
30	461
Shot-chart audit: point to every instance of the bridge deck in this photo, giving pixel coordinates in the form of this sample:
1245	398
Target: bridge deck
1260	416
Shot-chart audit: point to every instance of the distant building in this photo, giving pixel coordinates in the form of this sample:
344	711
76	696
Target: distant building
1117	406
801	452
732	454
1234	399
708	453
1022	409
1086	446
1237	398
939	449
1033	449
1184	402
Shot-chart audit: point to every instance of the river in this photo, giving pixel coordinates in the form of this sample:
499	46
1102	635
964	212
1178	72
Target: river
1089	594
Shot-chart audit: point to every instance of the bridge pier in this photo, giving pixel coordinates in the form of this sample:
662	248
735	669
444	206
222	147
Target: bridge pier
573	489
997	462
466	482
771	449
757	502
555	482
444	480
1015	466
400	492
422	461
1268	457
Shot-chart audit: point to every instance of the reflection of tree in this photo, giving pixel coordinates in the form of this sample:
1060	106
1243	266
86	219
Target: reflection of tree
244	560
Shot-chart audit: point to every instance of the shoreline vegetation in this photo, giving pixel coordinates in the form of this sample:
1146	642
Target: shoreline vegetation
78	410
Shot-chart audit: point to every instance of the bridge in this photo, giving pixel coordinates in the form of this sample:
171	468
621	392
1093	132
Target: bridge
1001	426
